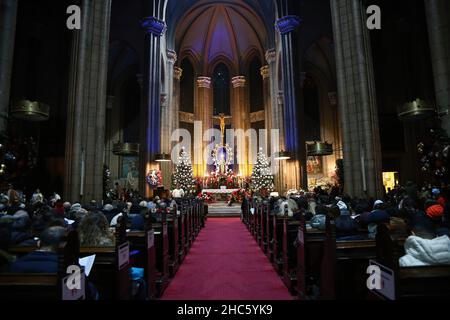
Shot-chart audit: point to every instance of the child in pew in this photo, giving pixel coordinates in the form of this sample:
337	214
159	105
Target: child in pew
422	248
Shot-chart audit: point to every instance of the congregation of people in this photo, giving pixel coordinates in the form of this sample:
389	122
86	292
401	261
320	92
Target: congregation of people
424	211
43	223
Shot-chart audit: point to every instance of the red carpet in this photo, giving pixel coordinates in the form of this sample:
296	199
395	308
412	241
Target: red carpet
225	263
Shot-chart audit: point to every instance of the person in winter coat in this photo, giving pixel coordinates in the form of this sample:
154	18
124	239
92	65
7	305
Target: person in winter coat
423	248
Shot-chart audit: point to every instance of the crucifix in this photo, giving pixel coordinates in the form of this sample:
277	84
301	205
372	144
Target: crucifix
222	117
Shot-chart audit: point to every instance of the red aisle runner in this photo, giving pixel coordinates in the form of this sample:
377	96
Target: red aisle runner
225	263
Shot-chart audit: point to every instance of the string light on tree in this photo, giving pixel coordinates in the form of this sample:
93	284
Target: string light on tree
262	177
183	177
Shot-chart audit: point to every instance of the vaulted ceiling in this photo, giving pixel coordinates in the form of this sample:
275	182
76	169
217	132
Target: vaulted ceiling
228	31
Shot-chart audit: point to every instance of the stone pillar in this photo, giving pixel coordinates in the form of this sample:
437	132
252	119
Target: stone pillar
8	15
151	107
167	123
438	18
203	113
85	142
265	74
357	100
240	118
177	74
295	142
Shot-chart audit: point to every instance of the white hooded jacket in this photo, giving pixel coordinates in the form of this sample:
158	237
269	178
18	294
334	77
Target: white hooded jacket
424	252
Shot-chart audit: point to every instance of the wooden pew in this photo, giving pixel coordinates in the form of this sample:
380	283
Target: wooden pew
174	249
264	213
269	235
344	265
410	283
145	242
309	256
162	254
181	234
277	243
289	254
111	270
45	286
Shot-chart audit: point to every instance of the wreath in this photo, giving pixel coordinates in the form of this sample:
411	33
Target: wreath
154	178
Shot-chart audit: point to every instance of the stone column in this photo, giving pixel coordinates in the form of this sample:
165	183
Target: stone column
167	123
177	74
295	143
151	107
357	100
265	74
240	118
8	15
85	142
202	113
276	120
438	18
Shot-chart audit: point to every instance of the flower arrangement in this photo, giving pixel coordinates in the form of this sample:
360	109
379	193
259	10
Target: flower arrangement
218	179
207	197
154	178
237	196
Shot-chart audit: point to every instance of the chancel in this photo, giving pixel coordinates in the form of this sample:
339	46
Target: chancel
224	150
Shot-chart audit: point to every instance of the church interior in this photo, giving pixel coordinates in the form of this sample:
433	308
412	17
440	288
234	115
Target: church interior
290	149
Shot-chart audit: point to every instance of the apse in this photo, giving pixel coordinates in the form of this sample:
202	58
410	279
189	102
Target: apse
230	33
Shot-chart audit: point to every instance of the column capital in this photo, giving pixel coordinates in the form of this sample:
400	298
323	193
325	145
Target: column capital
271	55
154	26
177	73
172	56
288	24
265	72
163	100
204	82
238	82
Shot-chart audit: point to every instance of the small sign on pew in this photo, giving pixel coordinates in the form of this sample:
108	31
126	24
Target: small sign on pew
386	281
301	236
150	239
124	255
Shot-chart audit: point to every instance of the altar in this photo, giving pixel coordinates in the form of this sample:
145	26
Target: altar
220	191
219	194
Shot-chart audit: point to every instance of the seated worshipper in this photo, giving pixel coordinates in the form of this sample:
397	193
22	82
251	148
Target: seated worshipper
178	193
109	212
45	259
422	248
286	208
346	226
377	215
435	212
67	207
21	234
302	209
319	219
93	231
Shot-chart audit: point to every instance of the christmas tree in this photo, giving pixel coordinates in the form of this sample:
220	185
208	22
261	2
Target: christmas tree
262	177
183	176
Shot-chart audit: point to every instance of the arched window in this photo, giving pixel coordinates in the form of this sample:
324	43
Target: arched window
187	87
221	83
256	86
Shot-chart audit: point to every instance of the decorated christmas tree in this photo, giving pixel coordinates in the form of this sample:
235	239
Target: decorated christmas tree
262	177
183	176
